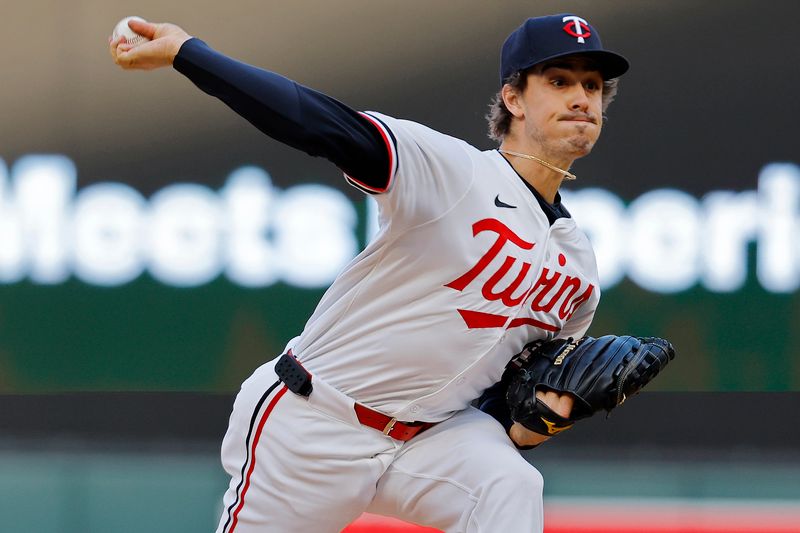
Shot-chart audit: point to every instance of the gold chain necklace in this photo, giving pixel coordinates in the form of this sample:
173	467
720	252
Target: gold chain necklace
567	175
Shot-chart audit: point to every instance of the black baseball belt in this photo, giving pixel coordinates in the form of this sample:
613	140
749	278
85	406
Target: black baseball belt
299	380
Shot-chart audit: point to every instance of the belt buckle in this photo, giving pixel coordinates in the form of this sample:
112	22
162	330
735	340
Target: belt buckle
389	426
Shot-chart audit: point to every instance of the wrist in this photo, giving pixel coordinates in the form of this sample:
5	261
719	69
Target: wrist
176	46
522	437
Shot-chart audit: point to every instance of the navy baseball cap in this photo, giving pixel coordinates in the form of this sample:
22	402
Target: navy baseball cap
543	38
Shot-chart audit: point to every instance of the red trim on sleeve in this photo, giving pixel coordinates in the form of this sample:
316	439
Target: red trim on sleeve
392	158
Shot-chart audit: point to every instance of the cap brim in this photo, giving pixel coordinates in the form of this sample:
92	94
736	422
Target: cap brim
611	65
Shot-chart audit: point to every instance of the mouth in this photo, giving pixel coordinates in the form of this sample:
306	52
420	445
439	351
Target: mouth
579	118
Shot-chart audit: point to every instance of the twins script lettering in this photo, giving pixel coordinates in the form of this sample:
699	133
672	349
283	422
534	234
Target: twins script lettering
553	294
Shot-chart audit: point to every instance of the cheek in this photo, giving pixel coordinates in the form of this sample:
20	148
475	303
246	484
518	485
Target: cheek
597	105
534	120
598	113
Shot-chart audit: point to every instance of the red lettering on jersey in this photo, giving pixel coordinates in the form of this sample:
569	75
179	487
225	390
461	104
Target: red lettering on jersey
478	319
566	312
505	294
565	292
550	288
570	286
504	235
533	322
544	285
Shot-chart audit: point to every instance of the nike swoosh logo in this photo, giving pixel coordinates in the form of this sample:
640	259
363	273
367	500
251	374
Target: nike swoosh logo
499	203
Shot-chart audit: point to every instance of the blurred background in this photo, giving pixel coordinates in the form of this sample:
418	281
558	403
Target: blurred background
155	249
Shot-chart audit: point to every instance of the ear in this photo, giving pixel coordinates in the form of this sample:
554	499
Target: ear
513	100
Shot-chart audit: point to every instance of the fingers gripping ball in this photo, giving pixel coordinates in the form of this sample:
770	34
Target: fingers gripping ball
131	37
601	373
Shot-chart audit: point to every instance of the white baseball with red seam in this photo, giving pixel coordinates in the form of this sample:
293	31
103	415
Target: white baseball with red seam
122	29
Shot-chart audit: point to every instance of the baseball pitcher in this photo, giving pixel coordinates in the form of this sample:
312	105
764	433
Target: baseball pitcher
478	285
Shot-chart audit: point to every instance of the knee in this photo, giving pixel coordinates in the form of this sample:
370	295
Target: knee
526	483
532	481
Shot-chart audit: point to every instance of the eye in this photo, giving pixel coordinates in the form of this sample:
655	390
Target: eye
558	82
592	85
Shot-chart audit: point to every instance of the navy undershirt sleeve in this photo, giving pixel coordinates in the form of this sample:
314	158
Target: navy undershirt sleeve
290	113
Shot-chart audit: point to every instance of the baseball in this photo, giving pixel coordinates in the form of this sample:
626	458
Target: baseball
130	36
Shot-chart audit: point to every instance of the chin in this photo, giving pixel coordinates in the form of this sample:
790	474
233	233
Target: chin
581	146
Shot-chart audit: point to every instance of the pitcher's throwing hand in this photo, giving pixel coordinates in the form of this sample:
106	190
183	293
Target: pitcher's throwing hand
159	51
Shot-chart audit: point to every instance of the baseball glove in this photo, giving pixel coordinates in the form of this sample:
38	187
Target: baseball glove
601	373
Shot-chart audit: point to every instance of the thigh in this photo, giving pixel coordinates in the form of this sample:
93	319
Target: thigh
295	467
463	475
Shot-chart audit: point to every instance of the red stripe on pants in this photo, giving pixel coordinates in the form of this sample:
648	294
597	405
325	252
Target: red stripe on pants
253	454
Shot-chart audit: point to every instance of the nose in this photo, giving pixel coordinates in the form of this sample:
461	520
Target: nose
579	99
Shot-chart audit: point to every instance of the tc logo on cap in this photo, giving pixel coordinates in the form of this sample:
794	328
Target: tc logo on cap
577	27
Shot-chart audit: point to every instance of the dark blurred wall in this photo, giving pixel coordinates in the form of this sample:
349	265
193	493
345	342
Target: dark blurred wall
709	100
